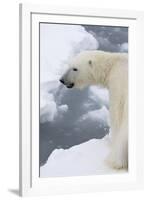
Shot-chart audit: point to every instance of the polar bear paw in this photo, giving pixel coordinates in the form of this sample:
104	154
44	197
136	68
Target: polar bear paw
117	161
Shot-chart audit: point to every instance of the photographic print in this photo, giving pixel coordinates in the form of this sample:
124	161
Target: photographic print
81	128
83	100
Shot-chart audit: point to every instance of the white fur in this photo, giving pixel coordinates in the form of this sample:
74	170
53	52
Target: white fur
109	70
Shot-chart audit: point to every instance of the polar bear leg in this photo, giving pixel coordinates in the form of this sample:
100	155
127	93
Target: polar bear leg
118	157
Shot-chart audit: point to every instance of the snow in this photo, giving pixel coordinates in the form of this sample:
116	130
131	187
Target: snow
99	115
99	95
124	47
54	61
52	42
48	112
85	159
48	106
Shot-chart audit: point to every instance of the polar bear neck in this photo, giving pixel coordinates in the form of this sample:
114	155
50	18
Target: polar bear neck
105	64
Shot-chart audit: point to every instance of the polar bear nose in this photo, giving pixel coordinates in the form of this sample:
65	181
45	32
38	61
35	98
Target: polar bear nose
62	81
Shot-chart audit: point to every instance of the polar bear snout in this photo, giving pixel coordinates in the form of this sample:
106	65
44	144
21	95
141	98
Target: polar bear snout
68	85
62	81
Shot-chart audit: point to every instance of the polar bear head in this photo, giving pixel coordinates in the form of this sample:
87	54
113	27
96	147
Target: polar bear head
80	72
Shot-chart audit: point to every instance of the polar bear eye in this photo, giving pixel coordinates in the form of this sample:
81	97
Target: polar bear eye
75	69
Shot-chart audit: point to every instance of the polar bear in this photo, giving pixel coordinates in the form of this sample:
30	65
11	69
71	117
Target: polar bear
109	70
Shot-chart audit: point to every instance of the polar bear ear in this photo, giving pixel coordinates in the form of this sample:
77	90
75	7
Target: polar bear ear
90	63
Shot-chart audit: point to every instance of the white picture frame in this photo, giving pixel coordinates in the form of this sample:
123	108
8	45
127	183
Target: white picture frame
30	183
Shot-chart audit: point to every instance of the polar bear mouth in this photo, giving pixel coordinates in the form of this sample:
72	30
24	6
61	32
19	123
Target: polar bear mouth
71	85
